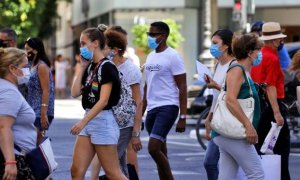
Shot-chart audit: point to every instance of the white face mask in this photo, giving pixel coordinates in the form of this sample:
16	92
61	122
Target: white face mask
25	78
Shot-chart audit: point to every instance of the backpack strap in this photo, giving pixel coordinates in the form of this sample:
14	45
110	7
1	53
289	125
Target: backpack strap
100	69
245	76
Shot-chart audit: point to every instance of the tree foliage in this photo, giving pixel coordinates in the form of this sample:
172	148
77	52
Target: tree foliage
29	18
140	37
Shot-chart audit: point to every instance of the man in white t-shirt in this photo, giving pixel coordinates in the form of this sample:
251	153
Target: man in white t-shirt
165	94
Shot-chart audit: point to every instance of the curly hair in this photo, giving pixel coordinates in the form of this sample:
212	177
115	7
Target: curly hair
116	39
242	45
295	65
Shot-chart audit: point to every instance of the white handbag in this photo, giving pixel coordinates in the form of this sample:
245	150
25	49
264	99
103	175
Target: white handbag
225	123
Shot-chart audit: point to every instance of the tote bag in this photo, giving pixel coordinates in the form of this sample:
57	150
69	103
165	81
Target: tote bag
224	122
41	159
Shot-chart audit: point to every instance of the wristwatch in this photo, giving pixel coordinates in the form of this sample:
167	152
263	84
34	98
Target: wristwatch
135	134
182	116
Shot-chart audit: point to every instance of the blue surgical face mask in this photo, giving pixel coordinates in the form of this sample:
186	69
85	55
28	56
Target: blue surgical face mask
86	53
258	60
152	42
215	51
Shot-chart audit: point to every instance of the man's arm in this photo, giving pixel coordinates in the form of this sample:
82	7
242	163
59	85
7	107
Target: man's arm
181	84
272	96
144	100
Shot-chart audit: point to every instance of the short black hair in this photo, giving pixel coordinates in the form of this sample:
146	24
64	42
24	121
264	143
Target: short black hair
161	26
257	26
226	36
10	32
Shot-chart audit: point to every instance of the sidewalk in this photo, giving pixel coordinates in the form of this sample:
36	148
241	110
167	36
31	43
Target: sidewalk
68	109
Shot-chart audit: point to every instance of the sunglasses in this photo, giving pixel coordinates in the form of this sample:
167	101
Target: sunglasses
153	34
4	43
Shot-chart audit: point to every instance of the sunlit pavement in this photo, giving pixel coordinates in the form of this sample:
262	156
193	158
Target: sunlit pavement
68	109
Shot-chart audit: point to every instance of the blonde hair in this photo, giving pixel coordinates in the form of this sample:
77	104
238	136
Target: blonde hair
10	56
295	65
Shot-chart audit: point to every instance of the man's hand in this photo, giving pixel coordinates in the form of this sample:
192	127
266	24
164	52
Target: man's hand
181	125
279	119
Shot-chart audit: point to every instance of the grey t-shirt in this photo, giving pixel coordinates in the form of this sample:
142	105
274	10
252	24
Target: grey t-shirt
132	75
13	104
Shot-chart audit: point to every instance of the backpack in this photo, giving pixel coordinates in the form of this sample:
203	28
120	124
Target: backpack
126	107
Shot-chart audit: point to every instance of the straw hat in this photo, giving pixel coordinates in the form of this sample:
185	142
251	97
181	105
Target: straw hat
271	30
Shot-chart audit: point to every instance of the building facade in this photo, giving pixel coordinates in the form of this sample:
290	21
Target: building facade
81	14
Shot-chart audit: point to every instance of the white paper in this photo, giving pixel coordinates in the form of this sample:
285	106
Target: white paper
202	70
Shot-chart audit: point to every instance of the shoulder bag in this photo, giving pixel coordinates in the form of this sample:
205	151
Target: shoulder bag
224	122
41	159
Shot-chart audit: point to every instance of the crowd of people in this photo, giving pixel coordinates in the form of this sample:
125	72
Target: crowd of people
26	100
28	88
259	57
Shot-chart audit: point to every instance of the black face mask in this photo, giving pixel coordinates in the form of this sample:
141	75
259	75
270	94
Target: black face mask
30	56
2	44
280	46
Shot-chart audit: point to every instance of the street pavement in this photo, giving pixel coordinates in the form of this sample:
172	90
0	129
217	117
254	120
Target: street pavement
184	152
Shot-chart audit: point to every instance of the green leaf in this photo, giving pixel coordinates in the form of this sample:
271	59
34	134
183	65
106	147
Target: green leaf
29	18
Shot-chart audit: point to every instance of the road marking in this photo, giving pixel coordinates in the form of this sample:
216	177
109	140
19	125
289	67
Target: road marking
184	173
62	157
146	139
187	154
295	154
184	144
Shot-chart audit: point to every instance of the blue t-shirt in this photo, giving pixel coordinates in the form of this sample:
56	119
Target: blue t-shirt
13	104
284	58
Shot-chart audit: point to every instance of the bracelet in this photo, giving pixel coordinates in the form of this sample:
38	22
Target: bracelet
44	105
182	116
10	162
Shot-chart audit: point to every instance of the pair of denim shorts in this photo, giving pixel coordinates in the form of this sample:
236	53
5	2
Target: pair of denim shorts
102	129
160	120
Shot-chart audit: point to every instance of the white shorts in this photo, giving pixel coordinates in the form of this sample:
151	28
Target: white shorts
102	129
